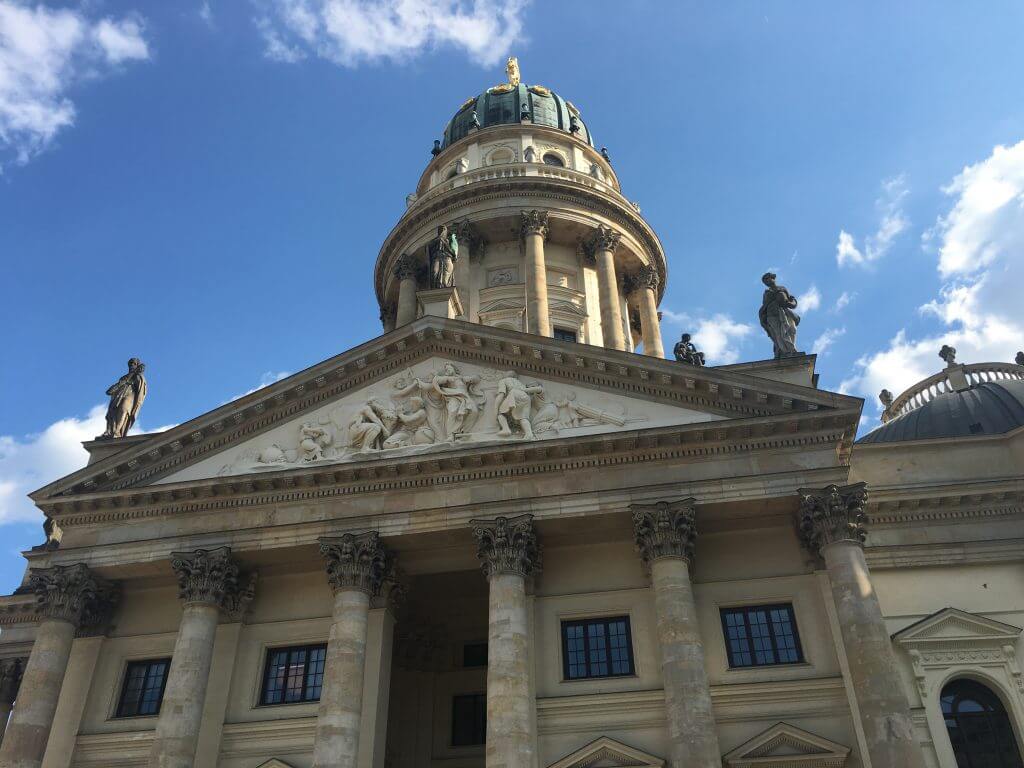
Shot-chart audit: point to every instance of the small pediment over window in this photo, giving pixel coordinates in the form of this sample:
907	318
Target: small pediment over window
608	753
951	626
275	763
786	746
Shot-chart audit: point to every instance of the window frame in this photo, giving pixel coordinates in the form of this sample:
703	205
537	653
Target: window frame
119	712
476	696
605	621
723	611
261	699
555	330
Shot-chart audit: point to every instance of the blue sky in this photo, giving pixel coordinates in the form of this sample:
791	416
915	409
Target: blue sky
205	185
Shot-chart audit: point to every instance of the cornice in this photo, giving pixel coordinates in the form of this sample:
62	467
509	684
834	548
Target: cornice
447	205
691	442
722	393
949	505
945	554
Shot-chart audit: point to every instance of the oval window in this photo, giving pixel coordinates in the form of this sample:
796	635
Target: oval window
550	158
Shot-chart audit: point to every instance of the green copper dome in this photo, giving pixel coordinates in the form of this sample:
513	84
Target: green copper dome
510	104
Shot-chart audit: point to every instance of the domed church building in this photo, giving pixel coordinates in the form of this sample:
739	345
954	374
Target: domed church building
508	533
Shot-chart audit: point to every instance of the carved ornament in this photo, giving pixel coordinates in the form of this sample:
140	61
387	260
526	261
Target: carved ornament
406	267
356	561
665	529
208	576
11	671
72	593
533	223
832	514
646	277
603	239
507	545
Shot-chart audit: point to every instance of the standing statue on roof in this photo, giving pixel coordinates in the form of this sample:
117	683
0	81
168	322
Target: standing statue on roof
778	318
126	396
512	68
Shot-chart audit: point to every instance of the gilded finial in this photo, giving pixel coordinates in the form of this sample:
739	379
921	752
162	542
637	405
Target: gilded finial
512	68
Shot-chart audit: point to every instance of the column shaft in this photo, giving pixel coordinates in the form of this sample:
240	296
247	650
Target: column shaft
181	713
510	737
406	312
874	674
650	325
341	699
693	739
608	299
537	319
24	742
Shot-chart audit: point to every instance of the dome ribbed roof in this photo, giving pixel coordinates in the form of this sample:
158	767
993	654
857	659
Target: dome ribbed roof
508	104
986	408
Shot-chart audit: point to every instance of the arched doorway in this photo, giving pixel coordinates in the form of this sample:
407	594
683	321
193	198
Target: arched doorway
978	726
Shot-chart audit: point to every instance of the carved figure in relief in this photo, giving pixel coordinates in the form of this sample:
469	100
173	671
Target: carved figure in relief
443	253
412	428
126	396
313	439
371	426
460	397
515	405
778	318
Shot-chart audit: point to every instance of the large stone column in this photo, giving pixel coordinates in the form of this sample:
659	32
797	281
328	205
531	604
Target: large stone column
603	244
208	582
832	525
10	678
643	287
533	227
508	552
665	535
405	271
356	568
68	597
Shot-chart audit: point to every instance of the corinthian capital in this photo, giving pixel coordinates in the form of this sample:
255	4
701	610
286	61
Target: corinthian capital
533	223
831	514
10	678
356	561
665	529
604	239
72	593
405	267
207	576
647	277
507	545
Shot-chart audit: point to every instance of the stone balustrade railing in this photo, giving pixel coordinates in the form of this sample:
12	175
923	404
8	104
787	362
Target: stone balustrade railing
952	379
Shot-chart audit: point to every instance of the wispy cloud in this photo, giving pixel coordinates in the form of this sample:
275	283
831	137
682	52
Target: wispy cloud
43	52
979	244
826	340
268	378
350	32
809	301
843	301
892	222
718	336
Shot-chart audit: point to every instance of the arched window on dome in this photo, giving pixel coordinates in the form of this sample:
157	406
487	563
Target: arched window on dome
553	158
500	156
979	728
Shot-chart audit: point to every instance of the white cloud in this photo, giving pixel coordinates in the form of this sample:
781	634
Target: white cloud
43	52
811	300
979	245
350	32
30	462
206	13
892	223
826	340
718	336
843	301
268	378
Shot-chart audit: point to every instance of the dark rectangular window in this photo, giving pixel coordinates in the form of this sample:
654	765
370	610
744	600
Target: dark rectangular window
293	674
761	635
469	720
143	688
564	334
474	655
597	648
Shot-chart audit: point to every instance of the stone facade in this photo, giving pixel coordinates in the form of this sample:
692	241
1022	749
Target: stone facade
397	502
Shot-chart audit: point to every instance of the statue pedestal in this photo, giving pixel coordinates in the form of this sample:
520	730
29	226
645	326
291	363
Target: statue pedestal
440	302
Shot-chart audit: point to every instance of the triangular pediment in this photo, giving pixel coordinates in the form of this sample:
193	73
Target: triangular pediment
275	763
608	753
582	392
786	746
952	626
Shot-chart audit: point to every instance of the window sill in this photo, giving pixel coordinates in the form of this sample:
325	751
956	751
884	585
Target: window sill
601	678
761	667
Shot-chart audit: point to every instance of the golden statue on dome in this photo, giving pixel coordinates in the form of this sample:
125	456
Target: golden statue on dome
512	68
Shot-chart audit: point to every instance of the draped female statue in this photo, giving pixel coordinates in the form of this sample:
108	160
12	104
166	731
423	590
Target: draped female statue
126	397
778	318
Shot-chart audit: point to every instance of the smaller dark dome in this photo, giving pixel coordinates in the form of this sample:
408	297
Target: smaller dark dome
987	408
510	104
